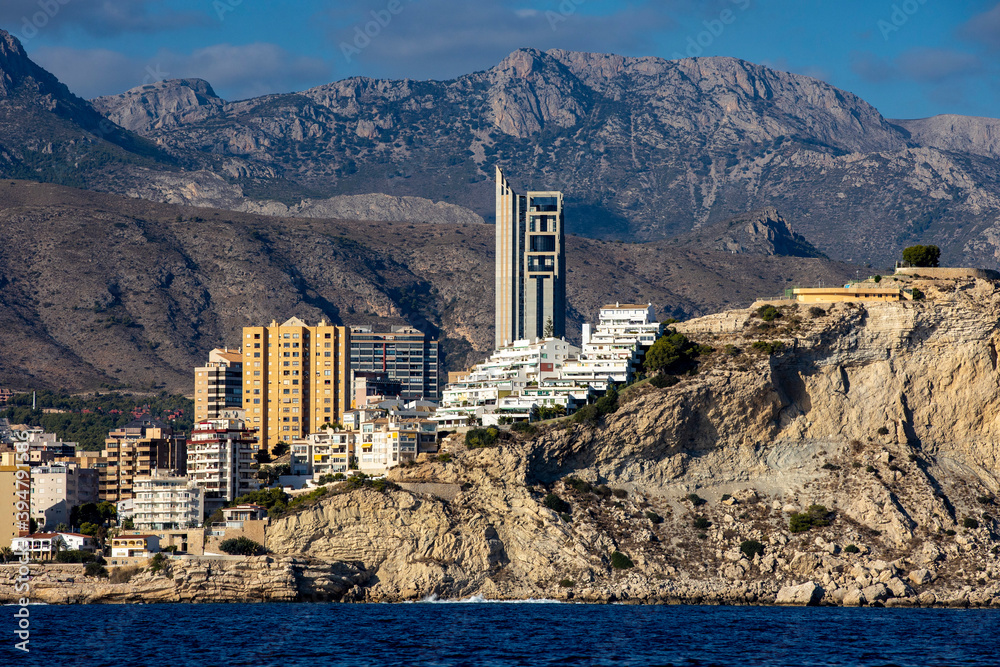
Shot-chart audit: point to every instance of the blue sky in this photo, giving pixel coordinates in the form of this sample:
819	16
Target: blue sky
910	58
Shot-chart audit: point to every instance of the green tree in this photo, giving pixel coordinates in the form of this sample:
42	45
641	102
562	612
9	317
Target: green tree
922	255
280	449
549	329
671	353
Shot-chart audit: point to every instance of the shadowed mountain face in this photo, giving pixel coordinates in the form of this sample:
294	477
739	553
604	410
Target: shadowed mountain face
644	149
96	288
762	232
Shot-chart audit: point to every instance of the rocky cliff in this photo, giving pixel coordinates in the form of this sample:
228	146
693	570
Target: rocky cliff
883	413
871	429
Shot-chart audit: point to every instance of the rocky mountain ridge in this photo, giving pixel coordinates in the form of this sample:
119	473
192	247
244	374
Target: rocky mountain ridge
644	148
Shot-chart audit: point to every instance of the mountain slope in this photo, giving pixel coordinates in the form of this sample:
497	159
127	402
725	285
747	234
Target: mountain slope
104	289
644	148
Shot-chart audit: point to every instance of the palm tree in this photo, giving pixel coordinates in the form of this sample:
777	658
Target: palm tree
7	554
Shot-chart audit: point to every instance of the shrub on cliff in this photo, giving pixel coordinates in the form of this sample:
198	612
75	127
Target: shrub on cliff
662	381
75	556
477	438
654	517
701	523
751	548
555	503
814	517
768	348
620	561
124	574
768	313
696	500
241	546
95	569
672	353
969	522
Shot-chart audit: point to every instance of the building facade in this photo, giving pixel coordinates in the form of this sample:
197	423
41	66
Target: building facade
405	354
136	450
218	385
58	488
220	458
530	264
164	502
296	378
15	503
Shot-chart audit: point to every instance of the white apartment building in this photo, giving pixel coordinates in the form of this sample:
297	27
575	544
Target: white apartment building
507	371
613	350
385	443
163	501
56	489
220	457
325	453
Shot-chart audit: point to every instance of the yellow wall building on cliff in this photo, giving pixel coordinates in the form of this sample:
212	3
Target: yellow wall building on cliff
296	378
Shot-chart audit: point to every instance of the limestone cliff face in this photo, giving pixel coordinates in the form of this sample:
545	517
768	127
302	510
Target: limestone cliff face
884	413
255	579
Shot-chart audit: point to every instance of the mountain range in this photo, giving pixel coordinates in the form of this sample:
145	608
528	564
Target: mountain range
695	184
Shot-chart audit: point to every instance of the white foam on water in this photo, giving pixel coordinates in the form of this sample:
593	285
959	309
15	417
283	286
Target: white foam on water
479	599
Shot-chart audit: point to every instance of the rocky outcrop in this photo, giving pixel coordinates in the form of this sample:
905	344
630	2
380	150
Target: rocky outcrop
762	232
959	134
877	412
160	104
253	579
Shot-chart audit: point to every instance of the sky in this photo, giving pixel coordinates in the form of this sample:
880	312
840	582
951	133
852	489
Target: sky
909	58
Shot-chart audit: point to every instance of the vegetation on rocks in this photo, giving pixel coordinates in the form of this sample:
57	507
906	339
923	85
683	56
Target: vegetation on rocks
815	516
241	546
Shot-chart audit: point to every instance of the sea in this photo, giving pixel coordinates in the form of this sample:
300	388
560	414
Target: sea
500	634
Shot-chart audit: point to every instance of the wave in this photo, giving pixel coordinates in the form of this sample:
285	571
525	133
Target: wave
479	599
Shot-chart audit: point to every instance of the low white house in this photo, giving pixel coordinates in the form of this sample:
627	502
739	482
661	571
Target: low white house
79	542
38	545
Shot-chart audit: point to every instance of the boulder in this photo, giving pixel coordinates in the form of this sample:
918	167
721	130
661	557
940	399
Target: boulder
919	577
876	593
855	598
807	594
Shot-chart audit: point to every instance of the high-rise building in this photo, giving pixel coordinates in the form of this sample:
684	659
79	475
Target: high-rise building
530	264
56	489
137	449
15	503
218	385
404	354
296	378
220	457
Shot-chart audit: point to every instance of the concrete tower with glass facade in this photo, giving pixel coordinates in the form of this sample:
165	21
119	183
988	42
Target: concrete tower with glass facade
530	264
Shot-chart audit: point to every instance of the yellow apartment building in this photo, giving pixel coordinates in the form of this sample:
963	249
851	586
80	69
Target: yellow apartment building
15	504
296	378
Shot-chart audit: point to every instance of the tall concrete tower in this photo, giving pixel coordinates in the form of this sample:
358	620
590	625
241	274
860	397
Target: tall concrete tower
530	264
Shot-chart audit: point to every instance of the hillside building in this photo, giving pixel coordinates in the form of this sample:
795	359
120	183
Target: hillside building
406	355
218	385
56	489
296	378
15	503
136	450
220	460
613	351
164	501
530	264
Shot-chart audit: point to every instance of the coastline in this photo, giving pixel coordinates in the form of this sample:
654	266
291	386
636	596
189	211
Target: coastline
270	579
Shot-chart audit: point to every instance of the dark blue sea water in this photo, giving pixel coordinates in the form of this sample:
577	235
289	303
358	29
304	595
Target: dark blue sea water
500	634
